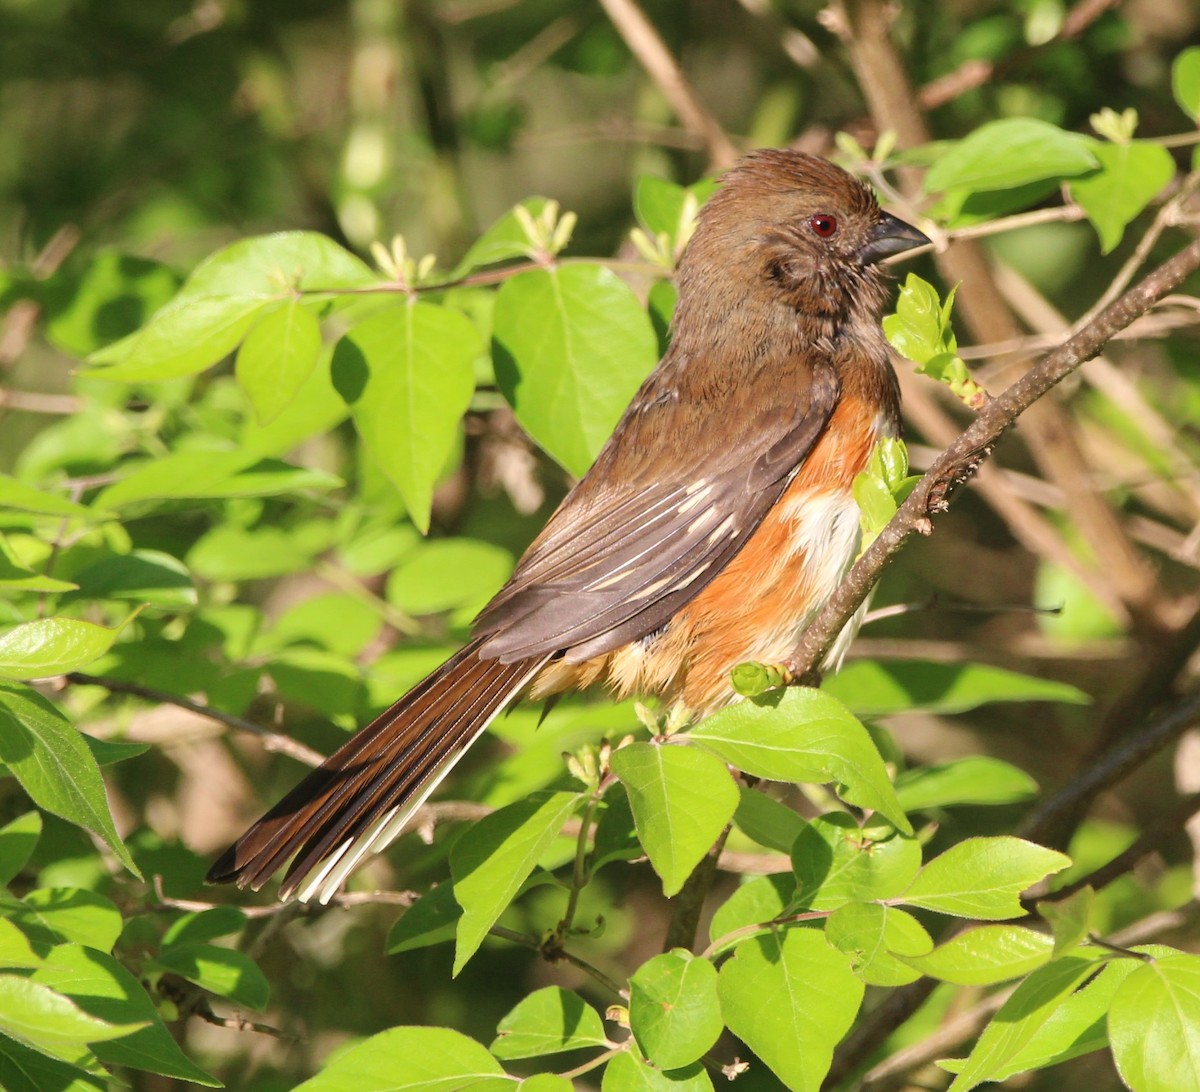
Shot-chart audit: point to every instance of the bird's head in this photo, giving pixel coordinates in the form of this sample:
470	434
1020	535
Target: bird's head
794	228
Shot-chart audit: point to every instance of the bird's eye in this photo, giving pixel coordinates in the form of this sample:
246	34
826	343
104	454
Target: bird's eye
823	224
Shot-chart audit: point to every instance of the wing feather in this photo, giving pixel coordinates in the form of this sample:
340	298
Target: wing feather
658	517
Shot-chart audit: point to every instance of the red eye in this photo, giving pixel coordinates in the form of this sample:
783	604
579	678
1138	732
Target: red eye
823	224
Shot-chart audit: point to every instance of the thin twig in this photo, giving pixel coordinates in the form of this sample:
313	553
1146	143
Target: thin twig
272	741
1149	842
977	72
40	402
650	50
1110	767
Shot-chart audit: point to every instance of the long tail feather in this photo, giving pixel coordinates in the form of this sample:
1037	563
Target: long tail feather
363	795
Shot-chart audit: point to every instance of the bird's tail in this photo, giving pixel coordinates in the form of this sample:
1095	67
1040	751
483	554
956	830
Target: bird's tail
362	796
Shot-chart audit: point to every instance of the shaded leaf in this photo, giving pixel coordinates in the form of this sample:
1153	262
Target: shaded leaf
221	971
973	780
790	997
412	1059
1154	1025
52	646
54	765
1010	152
875	937
492	858
407	375
674	1012
800	734
835	862
571	346
277	357
874	688
986	955
681	799
548	1021
983	877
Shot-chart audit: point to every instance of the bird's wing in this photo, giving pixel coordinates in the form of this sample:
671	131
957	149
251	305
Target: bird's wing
674	495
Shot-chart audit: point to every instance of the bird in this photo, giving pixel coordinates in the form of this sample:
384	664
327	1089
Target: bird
713	525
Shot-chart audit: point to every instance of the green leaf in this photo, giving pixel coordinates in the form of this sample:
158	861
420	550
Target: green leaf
220	300
1185	82
1077	1026
144	576
16	576
615	837
15	949
973	780
185	337
874	936
1011	152
681	799
658	203
50	1023
17	840
548	1021
1069	918
407	374
799	734
755	902
412	1059
874	688
200	926
24	498
231	553
1130	176
790	997
836	862
52	762
205	475
571	346
627	1073
1154	1025
432	919
25	1070
503	241
52	646
674	1012
112	297
221	971
104	989
491	860
983	877
986	955
316	410
545	1082
767	821
1021	1018
108	751
876	504
49	915
448	573
277	357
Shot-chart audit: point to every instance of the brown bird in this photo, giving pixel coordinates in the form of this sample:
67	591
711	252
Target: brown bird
716	521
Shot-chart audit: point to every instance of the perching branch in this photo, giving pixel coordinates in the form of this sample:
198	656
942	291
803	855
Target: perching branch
960	460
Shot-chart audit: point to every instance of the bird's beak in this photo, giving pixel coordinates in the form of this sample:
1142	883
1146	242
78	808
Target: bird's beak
890	236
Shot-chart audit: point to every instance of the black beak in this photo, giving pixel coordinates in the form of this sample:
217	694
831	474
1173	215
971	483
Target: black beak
890	236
